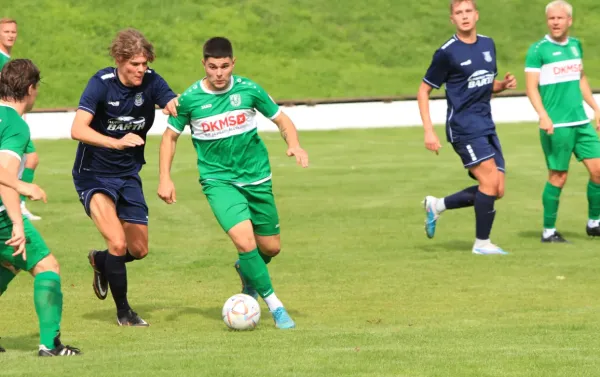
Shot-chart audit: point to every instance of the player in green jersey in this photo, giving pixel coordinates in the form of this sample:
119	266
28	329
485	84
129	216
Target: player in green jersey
222	112
557	86
21	246
8	37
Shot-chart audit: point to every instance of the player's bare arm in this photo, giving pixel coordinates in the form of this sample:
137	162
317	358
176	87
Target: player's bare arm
12	203
432	142
81	131
588	97
509	82
30	190
532	80
289	133
166	187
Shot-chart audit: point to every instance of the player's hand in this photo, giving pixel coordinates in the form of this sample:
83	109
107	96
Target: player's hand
597	119
546	124
17	240
31	191
128	141
300	154
171	108
510	81
432	142
166	191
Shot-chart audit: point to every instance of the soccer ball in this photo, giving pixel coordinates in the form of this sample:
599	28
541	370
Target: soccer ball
241	312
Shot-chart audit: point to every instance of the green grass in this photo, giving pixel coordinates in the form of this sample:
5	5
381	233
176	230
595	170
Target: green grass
370	294
306	49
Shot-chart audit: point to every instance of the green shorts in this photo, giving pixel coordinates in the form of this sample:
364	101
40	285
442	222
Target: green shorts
233	204
35	247
559	147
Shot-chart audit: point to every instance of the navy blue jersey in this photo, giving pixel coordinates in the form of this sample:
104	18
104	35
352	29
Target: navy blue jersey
469	71
119	110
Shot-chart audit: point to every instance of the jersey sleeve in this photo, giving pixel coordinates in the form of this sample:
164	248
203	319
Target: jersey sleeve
30	147
533	60
183	117
94	93
162	92
265	104
437	73
14	140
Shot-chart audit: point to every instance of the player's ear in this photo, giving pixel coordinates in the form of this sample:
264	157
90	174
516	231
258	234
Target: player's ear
233	62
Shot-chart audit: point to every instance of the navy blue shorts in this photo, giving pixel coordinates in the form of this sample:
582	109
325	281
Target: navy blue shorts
126	193
475	151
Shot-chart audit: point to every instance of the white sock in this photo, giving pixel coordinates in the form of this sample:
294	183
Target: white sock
549	232
440	205
593	223
273	302
481	243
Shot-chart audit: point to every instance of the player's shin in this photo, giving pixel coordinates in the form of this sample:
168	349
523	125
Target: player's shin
48	299
116	274
550	200
461	199
255	271
484	215
593	195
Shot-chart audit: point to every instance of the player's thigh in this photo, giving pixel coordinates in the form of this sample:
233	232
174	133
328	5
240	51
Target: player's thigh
137	239
587	149
558	147
35	248
227	203
103	212
131	204
263	211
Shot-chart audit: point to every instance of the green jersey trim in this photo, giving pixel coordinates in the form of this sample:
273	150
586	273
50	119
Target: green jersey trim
242	184
206	90
549	39
5	54
571	124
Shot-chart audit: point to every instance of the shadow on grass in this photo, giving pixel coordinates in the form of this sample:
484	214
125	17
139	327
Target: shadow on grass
148	312
451	246
21	343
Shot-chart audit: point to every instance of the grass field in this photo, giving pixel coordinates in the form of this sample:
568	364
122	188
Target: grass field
370	294
295	49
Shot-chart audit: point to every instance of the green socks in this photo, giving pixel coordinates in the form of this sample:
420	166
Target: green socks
254	270
550	199
27	177
593	195
48	300
266	258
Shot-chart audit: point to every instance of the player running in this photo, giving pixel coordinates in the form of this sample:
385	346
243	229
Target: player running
557	86
22	247
115	112
233	162
8	37
466	64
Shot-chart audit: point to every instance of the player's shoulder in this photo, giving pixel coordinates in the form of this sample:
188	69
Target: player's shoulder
539	44
105	75
9	117
151	76
485	40
241	83
574	40
448	44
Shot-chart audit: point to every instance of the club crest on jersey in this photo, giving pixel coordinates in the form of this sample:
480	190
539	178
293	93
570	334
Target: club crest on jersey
235	100
575	52
139	99
487	56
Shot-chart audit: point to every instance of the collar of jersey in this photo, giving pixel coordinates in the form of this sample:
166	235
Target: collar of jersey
216	91
555	42
5	54
7	105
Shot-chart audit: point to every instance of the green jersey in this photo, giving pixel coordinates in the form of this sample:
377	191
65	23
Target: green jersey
3	59
14	138
224	130
560	66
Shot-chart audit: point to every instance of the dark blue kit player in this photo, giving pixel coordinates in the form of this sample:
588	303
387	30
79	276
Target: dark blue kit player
115	112
466	65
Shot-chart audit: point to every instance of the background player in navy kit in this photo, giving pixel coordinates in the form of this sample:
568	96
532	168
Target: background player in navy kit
467	65
115	112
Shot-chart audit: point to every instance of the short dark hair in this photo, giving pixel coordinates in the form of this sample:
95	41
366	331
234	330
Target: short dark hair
16	78
217	47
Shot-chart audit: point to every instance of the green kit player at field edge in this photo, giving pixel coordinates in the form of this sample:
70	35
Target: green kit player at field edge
21	246
8	37
233	162
557	86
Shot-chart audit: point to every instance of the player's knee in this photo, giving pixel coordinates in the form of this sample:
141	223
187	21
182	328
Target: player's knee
117	247
49	263
139	251
558	178
271	250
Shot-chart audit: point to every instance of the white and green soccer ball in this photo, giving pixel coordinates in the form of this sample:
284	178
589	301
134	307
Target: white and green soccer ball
241	312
